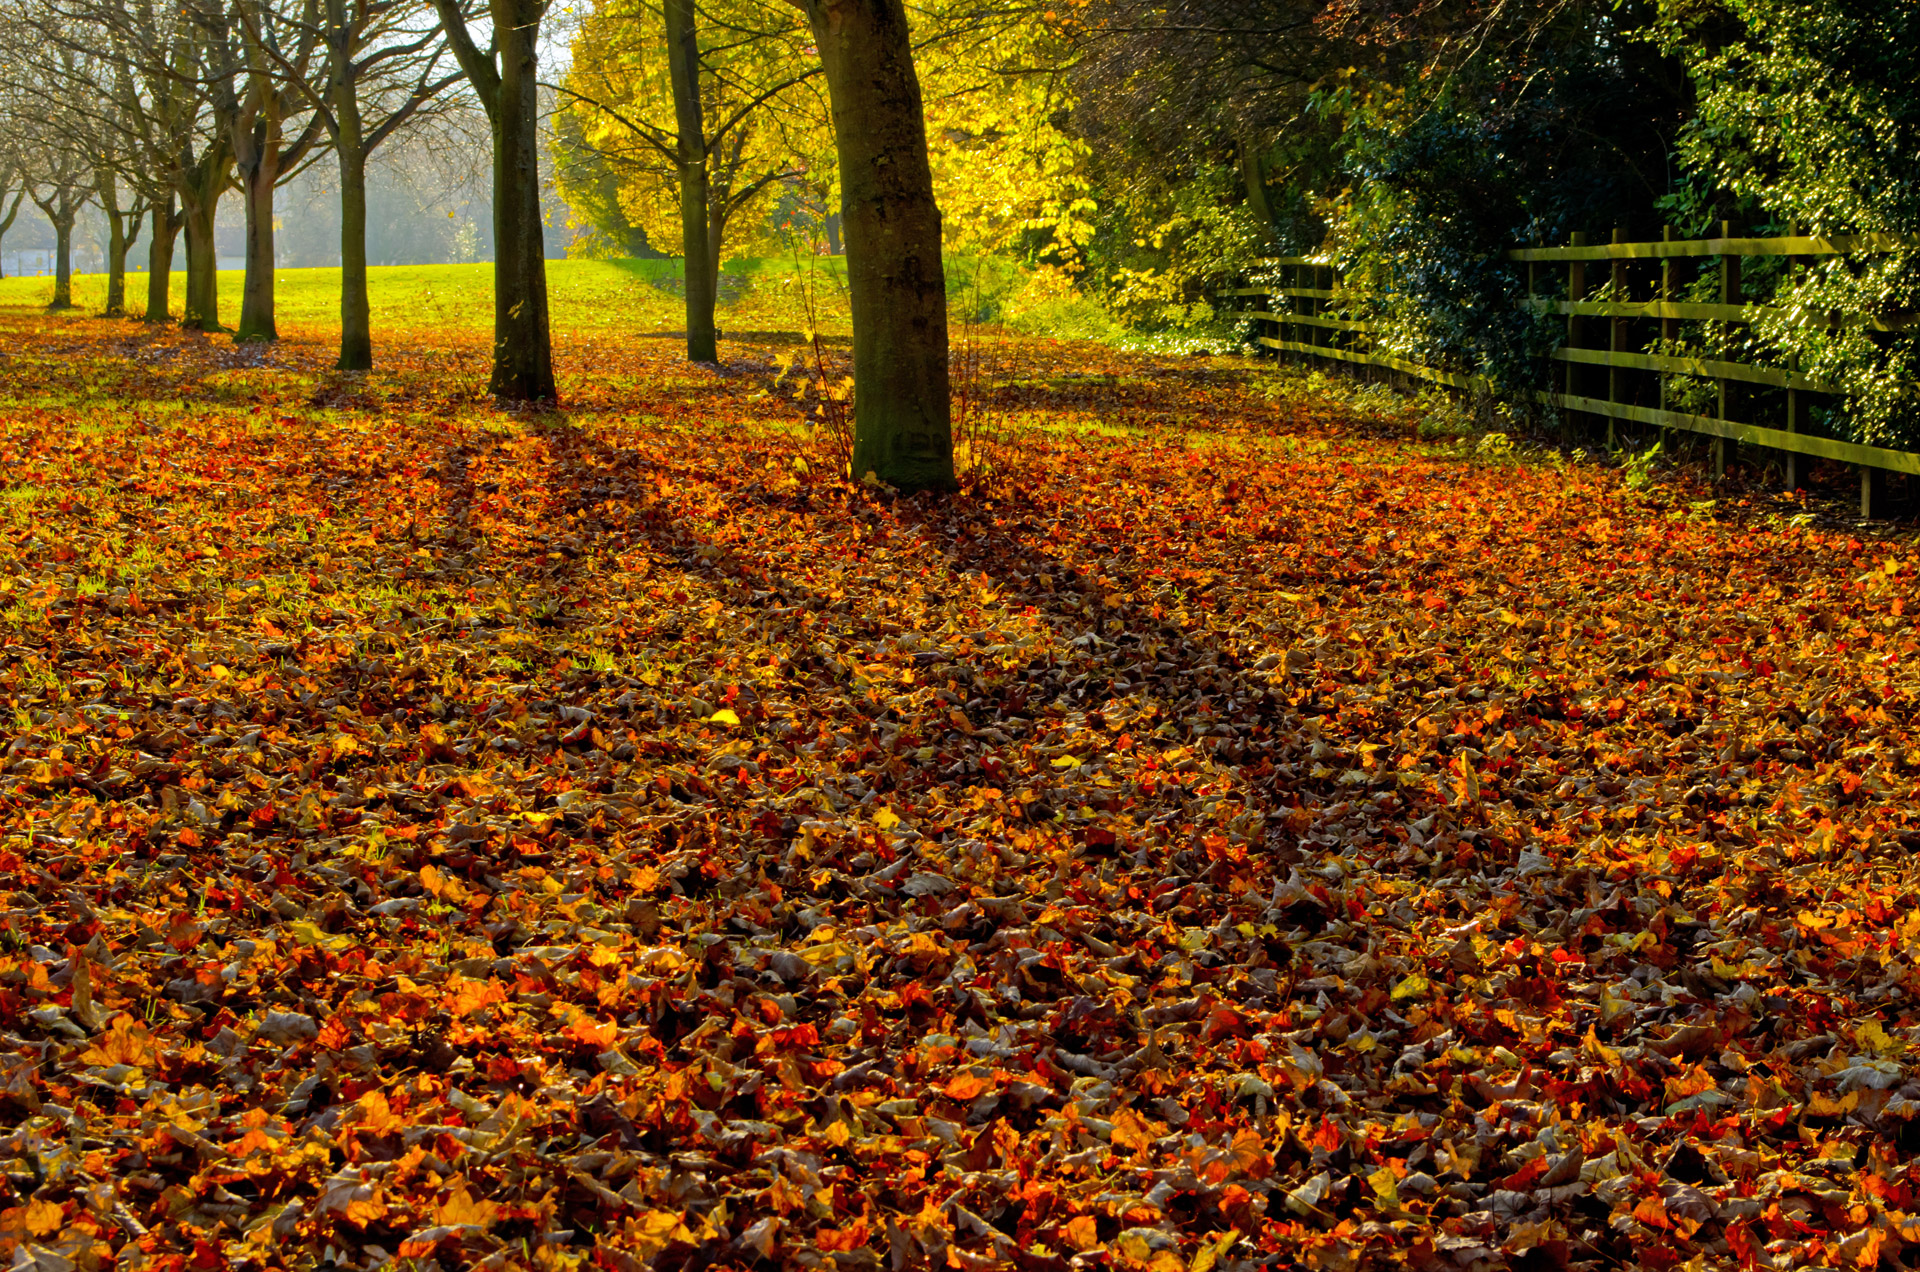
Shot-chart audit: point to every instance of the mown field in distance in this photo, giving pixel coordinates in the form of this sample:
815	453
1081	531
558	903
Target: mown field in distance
639	294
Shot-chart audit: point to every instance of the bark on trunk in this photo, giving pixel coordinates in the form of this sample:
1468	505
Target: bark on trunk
166	224
903	429
522	341
202	311
118	243
350	146
116	266
259	175
833	235
62	260
1253	172
6	222
356	310
696	242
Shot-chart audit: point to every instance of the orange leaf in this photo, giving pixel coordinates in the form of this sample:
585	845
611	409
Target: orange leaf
125	1042
1130	1130
966	1086
377	1115
1653	1212
469	996
463	1210
599	1034
1081	1232
42	1218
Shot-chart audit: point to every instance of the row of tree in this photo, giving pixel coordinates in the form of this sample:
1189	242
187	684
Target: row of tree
155	109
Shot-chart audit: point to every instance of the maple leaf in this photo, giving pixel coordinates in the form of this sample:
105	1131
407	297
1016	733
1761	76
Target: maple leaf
37	1218
1080	1233
377	1116
966	1086
1132	1131
126	1041
462	1209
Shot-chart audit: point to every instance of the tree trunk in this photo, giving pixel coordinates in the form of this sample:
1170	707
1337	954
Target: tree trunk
356	309
522	342
696	244
166	224
833	235
63	257
6	222
203	283
902	415
350	145
108	192
259	176
1253	172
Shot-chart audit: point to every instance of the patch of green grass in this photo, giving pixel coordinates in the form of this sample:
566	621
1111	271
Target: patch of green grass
586	296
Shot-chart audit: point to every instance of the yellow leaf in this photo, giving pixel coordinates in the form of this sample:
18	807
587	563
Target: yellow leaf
125	1042
724	715
837	1133
377	1116
886	819
462	1210
1819	1105
1599	1050
1385	1186
654	1231
833	951
432	880
1130	1130
366	1210
1210	1254
307	934
42	1218
1081	1232
1414	986
1065	761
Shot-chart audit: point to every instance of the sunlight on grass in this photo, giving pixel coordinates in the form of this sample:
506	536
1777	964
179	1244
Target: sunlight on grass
586	296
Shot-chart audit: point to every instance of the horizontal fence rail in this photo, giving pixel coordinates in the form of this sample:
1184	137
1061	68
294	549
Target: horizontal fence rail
1301	316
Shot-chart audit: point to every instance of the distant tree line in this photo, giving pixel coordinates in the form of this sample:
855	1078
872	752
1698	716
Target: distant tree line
154	110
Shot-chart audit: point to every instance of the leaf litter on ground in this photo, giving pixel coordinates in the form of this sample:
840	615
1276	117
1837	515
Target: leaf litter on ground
1232	838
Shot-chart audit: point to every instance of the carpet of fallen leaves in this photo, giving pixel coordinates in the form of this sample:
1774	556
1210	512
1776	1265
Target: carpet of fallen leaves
1235	839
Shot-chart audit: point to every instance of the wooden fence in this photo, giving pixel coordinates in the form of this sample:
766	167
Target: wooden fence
1604	367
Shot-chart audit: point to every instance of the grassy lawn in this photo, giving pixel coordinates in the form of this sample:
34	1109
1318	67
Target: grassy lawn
640	296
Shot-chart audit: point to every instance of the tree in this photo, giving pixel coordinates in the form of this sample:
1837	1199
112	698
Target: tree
383	66
123	231
160	65
258	51
58	182
10	179
903	427
505	77
1809	114
697	121
13	148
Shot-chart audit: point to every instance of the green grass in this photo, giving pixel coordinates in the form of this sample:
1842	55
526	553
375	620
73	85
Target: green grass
584	295
759	296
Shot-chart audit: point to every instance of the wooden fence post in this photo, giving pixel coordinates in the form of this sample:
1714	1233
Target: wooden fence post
1616	331
1669	327
1730	294
1873	491
1576	292
1796	400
